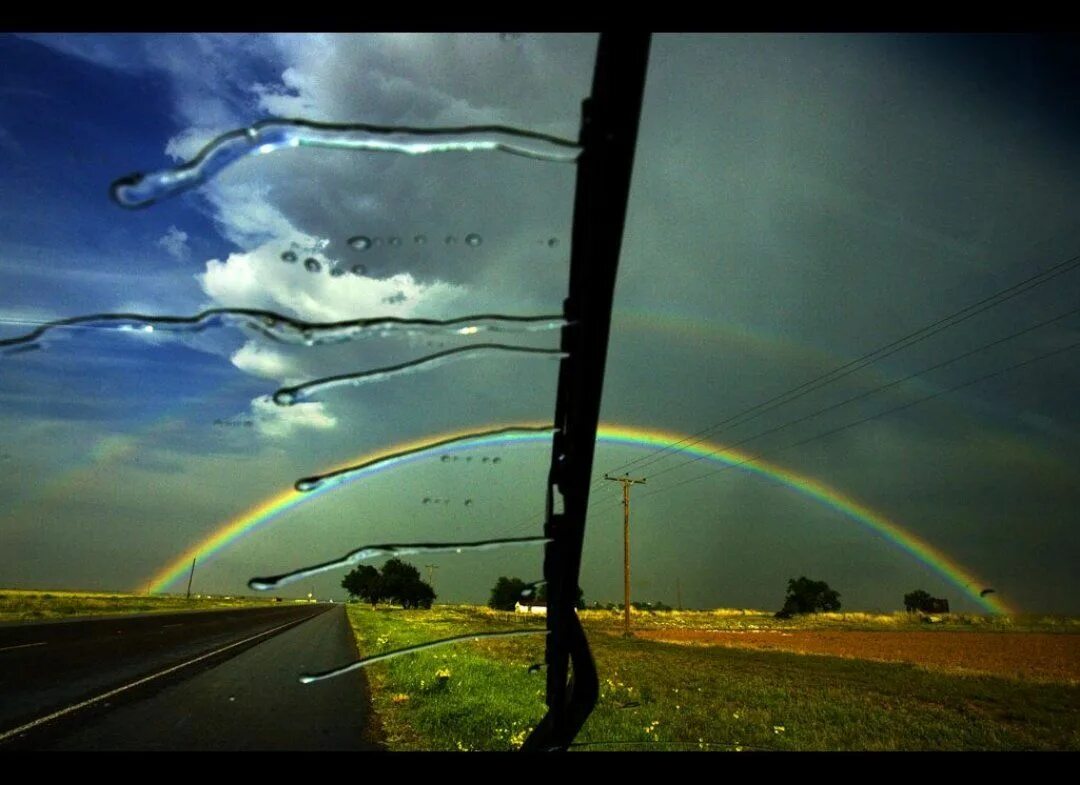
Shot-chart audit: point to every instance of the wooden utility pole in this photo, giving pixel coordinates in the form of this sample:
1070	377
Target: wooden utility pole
430	577
192	575
626	481
678	593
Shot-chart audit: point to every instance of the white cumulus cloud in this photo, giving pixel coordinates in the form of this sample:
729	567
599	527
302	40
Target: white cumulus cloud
279	422
259	360
175	242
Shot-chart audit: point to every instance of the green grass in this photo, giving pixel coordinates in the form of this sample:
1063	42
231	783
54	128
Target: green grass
478	695
19	605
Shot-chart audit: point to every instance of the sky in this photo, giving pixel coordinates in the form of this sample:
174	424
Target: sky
797	201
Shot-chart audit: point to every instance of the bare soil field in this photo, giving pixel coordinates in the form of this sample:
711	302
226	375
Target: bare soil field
1031	656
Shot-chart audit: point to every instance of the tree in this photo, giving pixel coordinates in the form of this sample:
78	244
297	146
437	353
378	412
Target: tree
506	593
917	600
364	582
807	596
416	594
399	582
579	603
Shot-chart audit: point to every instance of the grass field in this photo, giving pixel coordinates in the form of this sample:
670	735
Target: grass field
480	695
19	605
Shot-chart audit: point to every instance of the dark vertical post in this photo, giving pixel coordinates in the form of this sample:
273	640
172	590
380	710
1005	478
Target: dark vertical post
608	137
626	557
190	577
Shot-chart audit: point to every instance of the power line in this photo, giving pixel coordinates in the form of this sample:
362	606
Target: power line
872	417
879	388
944	323
956	358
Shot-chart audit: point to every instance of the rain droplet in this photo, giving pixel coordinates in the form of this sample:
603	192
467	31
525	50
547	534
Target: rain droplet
360	242
426	500
419	239
311	264
337	272
288	256
359	269
284	398
450	239
473	239
445	458
496	459
552	242
485	459
394	241
468	502
307	485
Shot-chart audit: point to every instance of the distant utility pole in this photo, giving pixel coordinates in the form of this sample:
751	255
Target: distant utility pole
678	593
626	481
192	575
430	569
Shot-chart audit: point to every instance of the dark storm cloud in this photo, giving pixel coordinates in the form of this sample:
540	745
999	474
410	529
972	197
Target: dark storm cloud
797	201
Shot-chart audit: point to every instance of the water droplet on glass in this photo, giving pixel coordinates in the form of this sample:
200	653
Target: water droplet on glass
284	398
473	239
337	272
307	485
426	500
496	459
359	269
553	242
360	242
445	458
450	239
311	264
468	502
288	256
419	239
394	241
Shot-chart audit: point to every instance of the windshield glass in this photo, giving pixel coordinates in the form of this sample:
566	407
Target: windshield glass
280	323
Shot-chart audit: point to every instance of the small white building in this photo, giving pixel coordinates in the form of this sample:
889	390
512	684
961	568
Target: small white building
539	608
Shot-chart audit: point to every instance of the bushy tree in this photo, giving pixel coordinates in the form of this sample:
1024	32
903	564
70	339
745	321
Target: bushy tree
917	600
807	596
398	582
364	582
506	593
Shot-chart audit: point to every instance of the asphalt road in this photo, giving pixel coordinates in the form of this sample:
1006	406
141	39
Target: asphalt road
220	680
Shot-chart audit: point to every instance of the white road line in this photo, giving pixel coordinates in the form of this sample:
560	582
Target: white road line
56	714
24	646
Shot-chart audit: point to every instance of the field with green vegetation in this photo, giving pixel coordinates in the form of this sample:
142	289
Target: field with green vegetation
19	605
655	695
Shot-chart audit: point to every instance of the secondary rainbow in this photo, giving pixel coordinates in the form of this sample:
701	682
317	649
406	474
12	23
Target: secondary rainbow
272	508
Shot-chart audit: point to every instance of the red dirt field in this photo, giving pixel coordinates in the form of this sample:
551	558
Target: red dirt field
1034	656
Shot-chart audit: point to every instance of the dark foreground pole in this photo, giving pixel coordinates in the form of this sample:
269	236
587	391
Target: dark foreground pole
608	136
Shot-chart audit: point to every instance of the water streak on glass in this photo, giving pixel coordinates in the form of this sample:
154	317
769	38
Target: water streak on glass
374	551
284	329
365	661
287	396
268	136
341	475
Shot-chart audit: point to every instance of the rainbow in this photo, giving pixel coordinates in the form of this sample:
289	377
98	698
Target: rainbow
272	508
